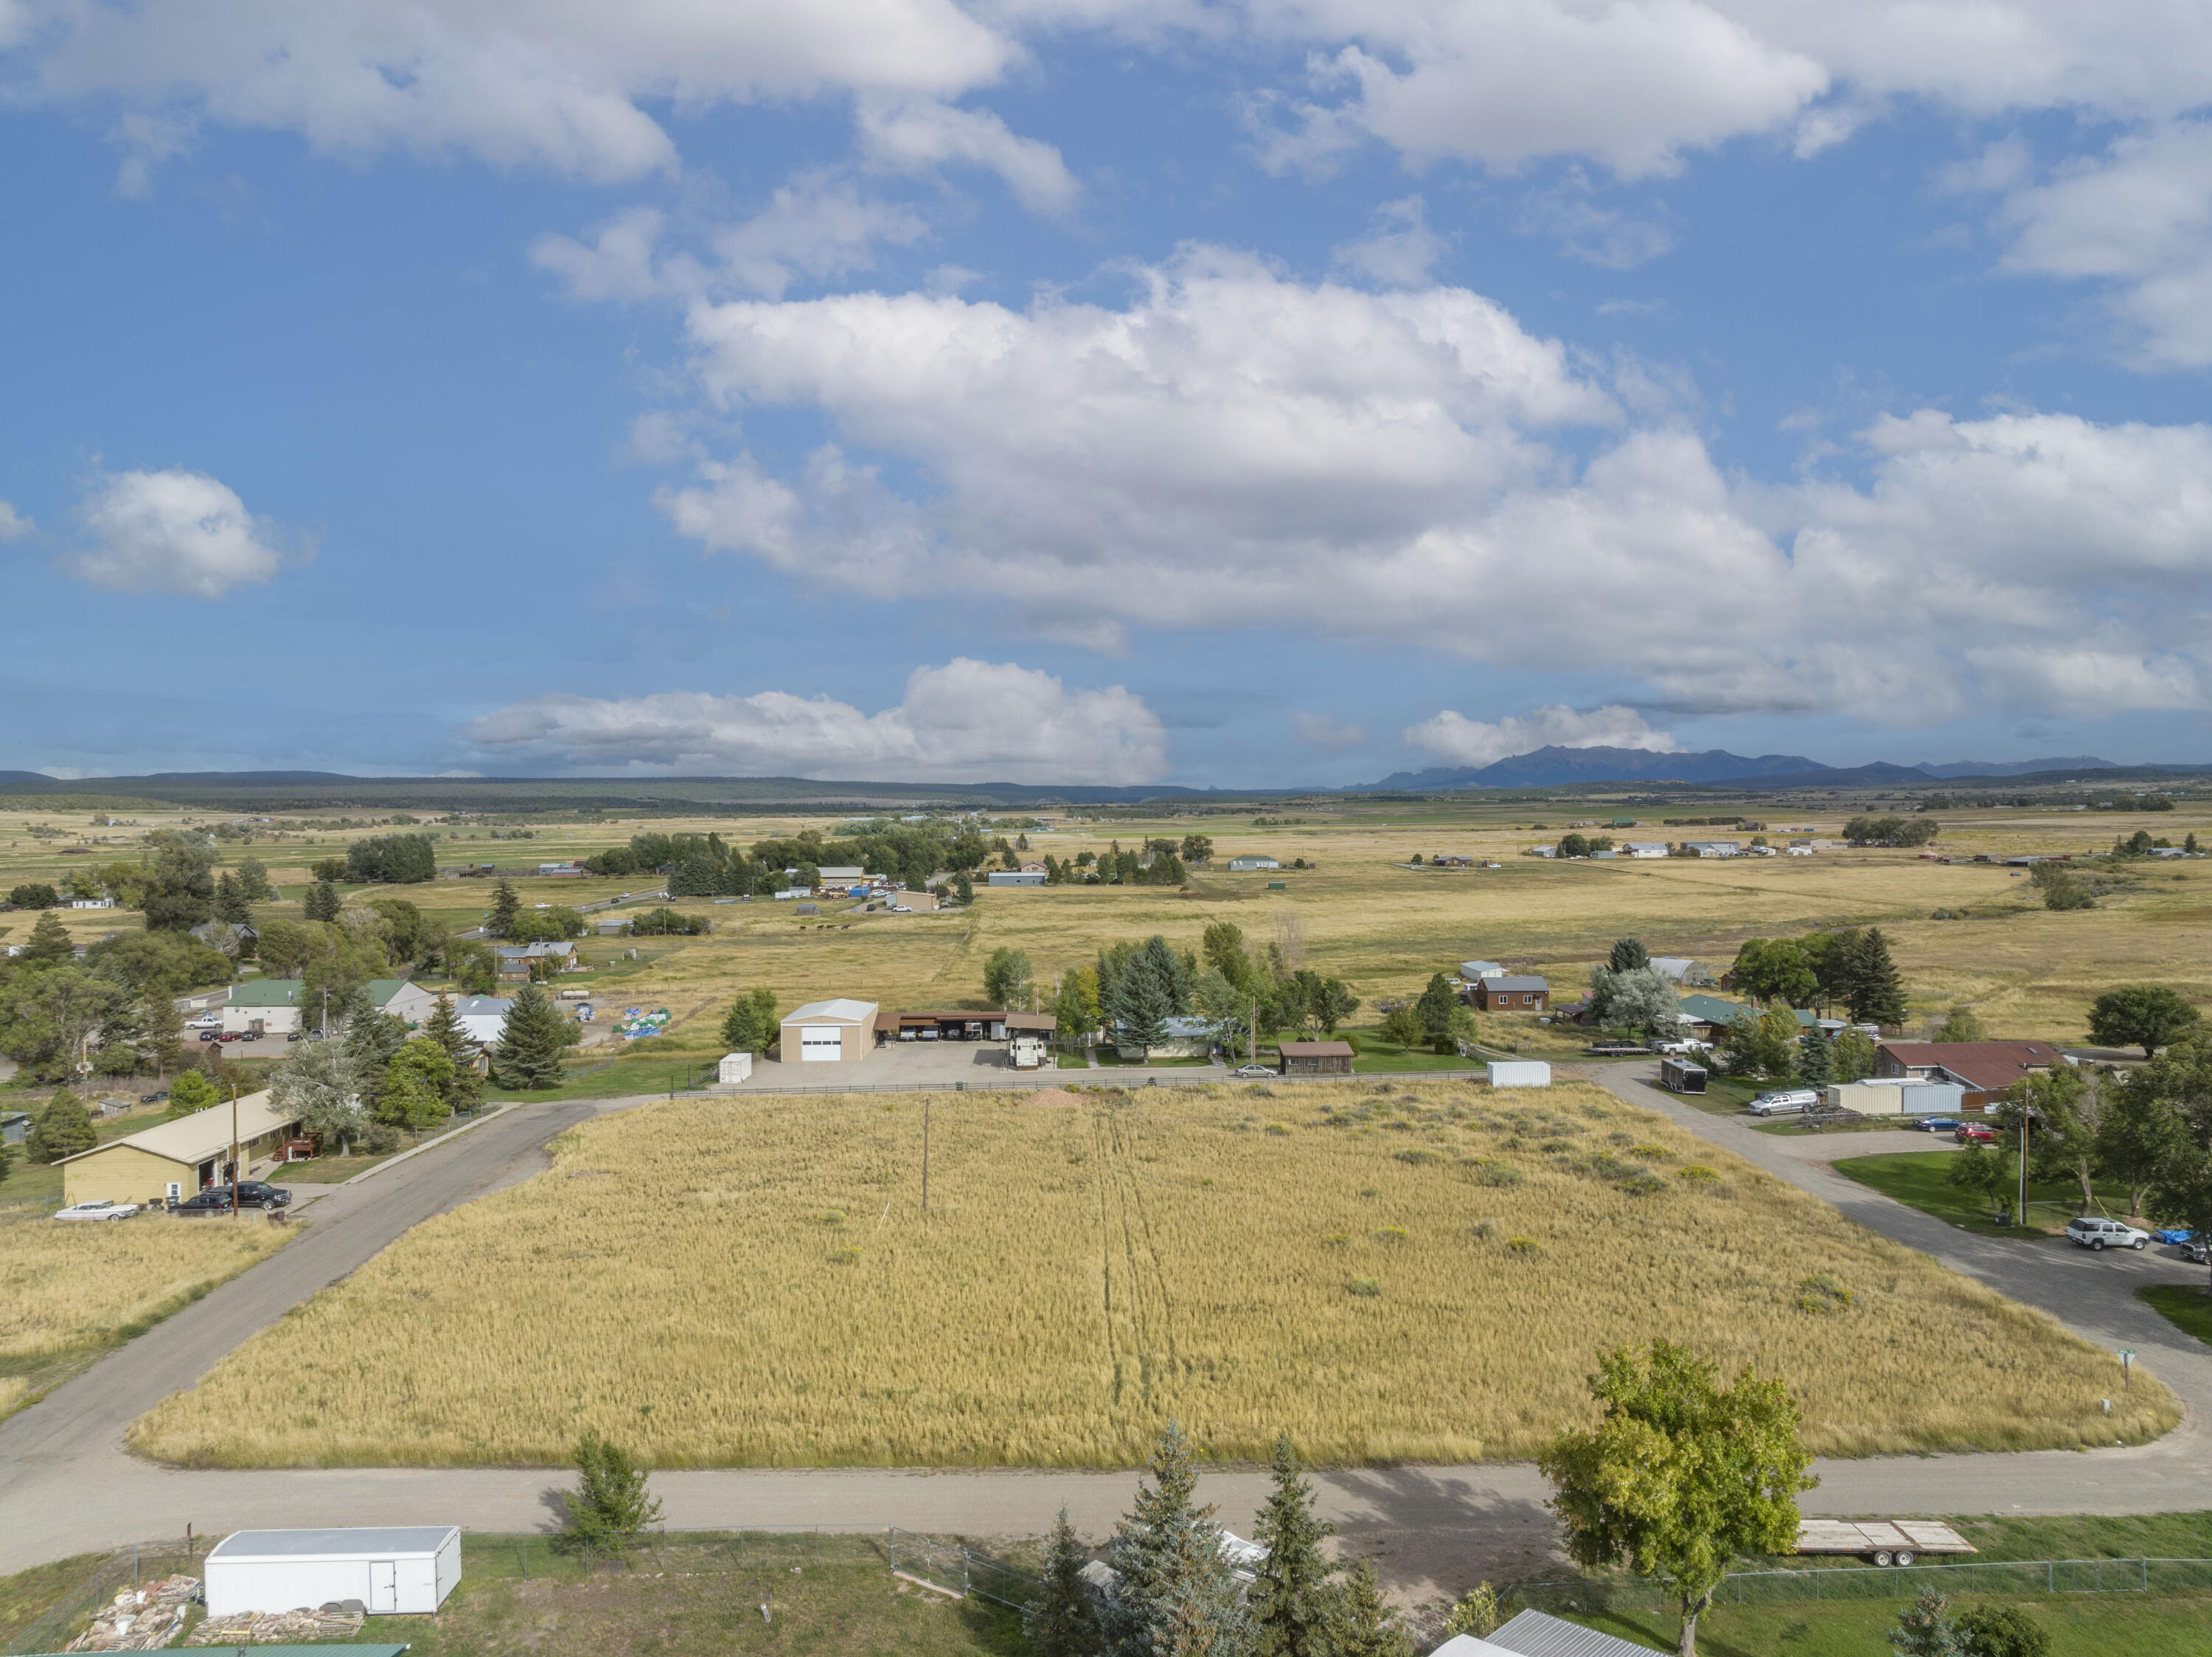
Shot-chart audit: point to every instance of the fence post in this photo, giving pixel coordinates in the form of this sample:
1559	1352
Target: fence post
526	1559
2051	1576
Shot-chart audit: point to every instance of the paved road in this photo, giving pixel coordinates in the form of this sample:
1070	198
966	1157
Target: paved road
66	1486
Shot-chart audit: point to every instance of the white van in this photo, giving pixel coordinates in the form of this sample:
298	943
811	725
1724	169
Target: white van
1785	1101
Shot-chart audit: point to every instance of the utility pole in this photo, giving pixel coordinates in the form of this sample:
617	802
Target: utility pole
925	1157
326	1012
2021	1217
1252	1051
235	1169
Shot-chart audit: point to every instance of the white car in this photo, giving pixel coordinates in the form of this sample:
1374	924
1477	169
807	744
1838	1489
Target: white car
2101	1234
1784	1102
205	1022
98	1209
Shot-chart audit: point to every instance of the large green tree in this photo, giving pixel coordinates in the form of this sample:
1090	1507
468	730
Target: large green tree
180	889
1627	955
416	1085
1436	1009
2145	1015
531	1042
62	1129
48	1012
506	909
1364	1625
2061	1108
253	881
1876	990
49	943
321	1086
373	1041
1175	1592
321	902
750	1025
1292	1596
1681	1475
465	1091
612	1503
1774	969
1008	979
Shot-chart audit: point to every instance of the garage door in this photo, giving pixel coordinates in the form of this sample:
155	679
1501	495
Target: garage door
821	1041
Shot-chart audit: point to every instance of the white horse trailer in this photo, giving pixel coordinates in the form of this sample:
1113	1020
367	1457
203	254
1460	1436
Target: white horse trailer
401	1570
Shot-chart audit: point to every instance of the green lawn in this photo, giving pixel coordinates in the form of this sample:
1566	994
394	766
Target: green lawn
2187	1306
1916	1179
2086	1625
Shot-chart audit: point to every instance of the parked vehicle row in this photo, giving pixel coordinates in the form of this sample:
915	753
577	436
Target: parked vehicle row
215	1199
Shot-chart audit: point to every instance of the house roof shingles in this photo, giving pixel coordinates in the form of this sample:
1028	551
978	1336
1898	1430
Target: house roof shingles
1991	1066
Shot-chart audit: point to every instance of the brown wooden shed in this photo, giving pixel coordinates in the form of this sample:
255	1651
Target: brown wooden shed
1316	1059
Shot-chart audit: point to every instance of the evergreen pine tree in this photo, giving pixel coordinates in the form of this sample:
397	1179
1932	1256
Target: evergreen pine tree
1876	991
1925	1631
749	1026
1365	1625
230	900
50	941
1064	1623
62	1129
1628	954
322	902
373	1041
1176	1592
506	909
1436	1007
1816	1060
466	1091
1292	1598
528	1056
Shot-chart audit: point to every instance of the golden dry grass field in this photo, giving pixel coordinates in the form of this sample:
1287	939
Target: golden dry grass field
67	1292
1382	1269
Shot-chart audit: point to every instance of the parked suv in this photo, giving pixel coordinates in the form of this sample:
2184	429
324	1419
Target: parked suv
253	1194
2101	1234
1785	1101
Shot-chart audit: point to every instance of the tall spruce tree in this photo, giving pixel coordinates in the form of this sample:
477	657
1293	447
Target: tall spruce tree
1816	1059
321	902
528	1056
506	909
1176	1594
1876	991
62	1129
373	1041
1627	954
465	1090
1292	1598
1064	1623
50	941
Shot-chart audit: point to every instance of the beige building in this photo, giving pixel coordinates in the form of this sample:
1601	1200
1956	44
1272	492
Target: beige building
829	1032
177	1159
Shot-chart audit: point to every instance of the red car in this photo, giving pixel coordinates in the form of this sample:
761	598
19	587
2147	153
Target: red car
1972	1133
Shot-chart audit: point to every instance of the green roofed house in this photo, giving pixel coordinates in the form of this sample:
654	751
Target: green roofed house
263	1006
1708	1017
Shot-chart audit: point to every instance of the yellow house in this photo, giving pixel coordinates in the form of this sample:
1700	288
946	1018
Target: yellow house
175	1160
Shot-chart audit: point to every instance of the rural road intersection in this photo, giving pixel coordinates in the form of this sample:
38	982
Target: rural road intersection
68	1486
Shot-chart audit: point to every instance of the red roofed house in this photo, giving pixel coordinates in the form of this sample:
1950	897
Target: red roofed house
1986	1069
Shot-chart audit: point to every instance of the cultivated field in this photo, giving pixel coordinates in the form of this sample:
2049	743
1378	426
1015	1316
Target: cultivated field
1385	1270
68	1291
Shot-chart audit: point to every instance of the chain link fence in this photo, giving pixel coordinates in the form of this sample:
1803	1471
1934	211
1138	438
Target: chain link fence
2017	1579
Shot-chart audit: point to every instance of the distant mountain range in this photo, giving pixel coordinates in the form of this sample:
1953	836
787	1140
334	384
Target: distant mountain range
1555	767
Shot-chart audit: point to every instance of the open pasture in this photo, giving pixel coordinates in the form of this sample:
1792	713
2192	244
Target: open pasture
1386	1271
67	1292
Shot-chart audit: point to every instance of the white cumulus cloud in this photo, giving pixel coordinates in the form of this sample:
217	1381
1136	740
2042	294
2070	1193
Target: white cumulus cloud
965	721
14	526
555	83
1453	736
1412	468
174	532
907	134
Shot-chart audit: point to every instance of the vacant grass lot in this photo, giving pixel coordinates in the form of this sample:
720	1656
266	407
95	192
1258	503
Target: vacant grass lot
2187	1306
70	1292
2090	1625
1386	1270
1919	1180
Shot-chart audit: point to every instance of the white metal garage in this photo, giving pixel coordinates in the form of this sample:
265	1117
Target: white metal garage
406	1569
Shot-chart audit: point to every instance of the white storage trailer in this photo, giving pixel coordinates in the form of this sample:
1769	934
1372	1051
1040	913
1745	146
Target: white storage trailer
1520	1073
400	1570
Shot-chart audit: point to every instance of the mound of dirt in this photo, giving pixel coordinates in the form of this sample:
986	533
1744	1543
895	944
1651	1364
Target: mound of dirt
1054	1099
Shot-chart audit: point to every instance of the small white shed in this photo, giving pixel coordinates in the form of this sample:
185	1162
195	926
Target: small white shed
400	1570
733	1068
1520	1073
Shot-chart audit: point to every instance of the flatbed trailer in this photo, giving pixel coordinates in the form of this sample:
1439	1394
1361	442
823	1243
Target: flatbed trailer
1883	1541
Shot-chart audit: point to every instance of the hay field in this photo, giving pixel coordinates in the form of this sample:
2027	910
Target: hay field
68	1291
1385	1271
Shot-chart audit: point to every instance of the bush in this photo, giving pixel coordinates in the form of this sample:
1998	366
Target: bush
1365	1288
398	859
1522	1244
33	895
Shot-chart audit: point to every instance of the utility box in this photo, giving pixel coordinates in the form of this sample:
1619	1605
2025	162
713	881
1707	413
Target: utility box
404	1570
734	1068
1520	1073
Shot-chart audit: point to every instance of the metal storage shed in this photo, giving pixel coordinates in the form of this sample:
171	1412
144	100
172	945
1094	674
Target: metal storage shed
400	1570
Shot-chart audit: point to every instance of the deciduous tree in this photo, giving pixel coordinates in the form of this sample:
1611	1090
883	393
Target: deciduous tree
191	1093
1008	979
321	1086
1962	1024
180	890
2145	1015
416	1085
1681	1475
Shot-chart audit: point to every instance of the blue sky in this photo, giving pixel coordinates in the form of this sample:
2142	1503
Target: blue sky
1125	391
